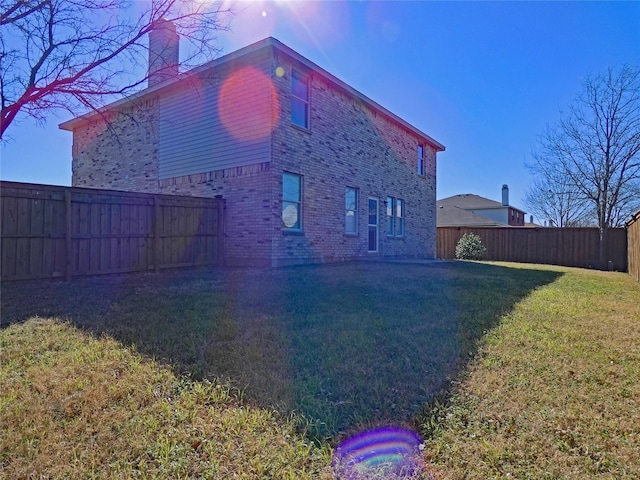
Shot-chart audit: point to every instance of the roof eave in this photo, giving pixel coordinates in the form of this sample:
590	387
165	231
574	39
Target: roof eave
265	43
352	91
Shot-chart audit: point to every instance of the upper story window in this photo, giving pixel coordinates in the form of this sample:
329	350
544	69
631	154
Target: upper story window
299	100
351	210
291	201
420	160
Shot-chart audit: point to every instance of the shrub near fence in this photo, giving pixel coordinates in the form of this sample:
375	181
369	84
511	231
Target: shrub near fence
571	247
52	231
633	246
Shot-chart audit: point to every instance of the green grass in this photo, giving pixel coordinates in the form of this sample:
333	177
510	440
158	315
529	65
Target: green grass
78	407
341	346
555	390
502	367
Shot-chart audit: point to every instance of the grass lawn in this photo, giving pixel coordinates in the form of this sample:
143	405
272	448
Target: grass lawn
555	390
504	368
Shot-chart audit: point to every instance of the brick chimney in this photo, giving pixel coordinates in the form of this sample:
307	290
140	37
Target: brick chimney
164	45
505	195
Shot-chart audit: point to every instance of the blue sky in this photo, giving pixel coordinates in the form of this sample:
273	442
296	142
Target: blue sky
483	78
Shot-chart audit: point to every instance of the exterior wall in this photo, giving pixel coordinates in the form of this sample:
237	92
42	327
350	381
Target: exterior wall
221	146
248	210
127	153
349	145
516	217
118	151
219	119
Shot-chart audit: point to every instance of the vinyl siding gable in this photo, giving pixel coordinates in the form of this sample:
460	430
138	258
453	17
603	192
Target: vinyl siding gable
218	121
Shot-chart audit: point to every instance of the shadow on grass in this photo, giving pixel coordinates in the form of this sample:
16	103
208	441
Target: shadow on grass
342	346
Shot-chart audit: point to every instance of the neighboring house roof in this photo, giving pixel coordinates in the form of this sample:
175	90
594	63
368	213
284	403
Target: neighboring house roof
471	210
269	42
452	216
471	201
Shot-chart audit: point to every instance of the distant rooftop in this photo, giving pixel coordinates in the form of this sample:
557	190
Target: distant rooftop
469	200
472	210
453	216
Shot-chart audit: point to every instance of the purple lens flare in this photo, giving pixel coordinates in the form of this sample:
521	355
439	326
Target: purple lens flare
389	450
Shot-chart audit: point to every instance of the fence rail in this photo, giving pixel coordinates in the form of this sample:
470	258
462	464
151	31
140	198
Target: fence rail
633	246
572	247
52	231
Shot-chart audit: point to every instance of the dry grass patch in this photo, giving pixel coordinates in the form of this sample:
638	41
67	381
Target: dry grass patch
550	361
345	346
77	407
555	392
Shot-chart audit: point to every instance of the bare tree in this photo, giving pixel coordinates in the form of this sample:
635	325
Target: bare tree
595	148
554	200
65	54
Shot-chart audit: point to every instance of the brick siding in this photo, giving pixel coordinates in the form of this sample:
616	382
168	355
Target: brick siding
348	144
118	151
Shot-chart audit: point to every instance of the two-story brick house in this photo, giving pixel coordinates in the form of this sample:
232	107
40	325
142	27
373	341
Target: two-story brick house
311	169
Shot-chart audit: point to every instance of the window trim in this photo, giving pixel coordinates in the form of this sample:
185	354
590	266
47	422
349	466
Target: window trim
354	210
390	221
289	201
399	217
395	219
421	161
376	227
298	76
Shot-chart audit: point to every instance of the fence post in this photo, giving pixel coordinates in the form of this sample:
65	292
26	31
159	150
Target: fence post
68	238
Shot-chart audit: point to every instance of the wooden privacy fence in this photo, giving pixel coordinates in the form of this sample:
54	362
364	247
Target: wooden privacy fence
572	247
51	231
633	246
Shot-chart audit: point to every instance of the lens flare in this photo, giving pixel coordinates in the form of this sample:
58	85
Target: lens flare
385	451
245	104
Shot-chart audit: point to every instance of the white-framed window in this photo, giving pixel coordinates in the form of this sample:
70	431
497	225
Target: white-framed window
299	99
372	225
291	202
420	160
390	222
351	210
399	217
395	217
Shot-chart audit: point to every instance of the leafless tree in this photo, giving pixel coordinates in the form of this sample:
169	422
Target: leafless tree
554	200
595	148
65	54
